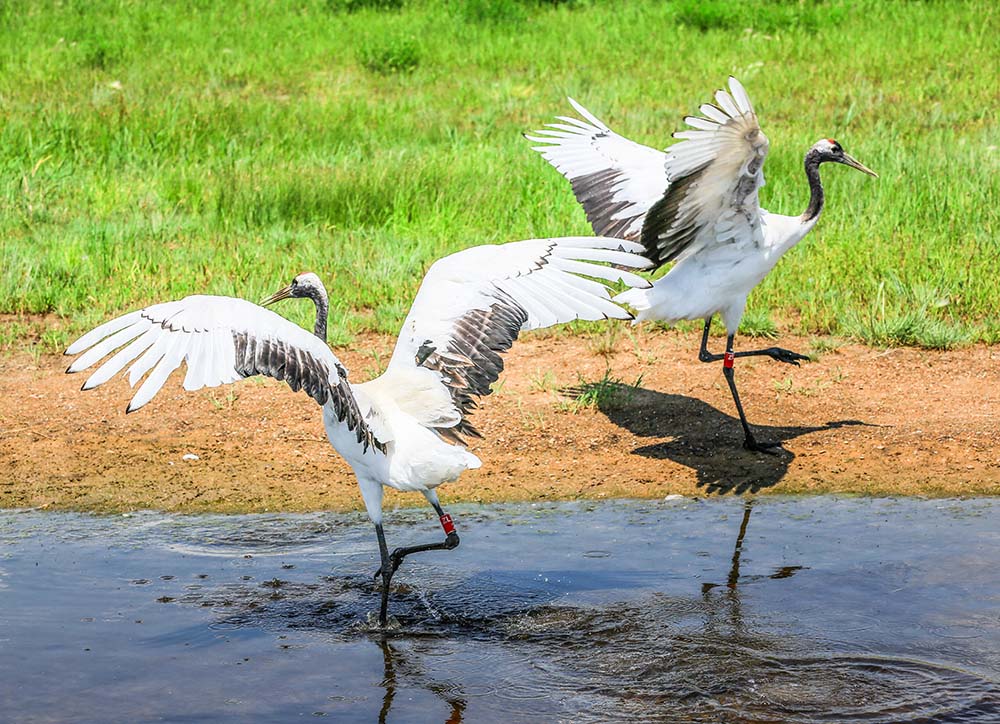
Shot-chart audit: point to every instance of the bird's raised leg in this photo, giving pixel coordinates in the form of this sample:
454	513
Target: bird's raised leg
391	561
750	442
776	353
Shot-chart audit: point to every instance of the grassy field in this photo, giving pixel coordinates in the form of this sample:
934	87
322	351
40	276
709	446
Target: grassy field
152	150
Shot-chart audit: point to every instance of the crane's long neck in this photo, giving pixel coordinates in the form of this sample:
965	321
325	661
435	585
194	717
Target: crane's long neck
815	187
322	303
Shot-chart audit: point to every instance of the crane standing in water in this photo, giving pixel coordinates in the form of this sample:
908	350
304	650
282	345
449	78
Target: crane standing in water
695	205
393	430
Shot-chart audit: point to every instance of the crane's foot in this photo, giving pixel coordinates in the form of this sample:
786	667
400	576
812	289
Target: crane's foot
785	355
768	448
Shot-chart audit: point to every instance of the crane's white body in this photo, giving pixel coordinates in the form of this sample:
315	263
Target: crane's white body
723	244
390	430
718	280
415	458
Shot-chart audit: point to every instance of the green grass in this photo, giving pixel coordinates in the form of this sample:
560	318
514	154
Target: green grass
153	150
757	322
916	321
607	393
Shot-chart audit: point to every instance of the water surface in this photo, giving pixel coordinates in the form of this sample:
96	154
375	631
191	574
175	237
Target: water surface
791	610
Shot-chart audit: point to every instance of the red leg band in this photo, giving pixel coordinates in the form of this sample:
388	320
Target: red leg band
728	361
446	523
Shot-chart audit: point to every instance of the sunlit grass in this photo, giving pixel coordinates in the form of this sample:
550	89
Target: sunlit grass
757	322
151	150
912	317
607	393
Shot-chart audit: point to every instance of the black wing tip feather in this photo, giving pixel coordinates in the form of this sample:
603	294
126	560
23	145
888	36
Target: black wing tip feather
595	193
302	371
472	362
660	236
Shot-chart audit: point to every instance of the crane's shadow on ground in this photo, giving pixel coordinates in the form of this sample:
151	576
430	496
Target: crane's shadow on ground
697	435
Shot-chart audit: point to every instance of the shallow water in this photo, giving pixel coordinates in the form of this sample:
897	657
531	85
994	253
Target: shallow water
791	610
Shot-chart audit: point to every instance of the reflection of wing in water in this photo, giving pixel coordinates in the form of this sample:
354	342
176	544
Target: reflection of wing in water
397	664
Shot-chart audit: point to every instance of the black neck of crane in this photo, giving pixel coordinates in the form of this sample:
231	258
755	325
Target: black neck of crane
813	160
322	312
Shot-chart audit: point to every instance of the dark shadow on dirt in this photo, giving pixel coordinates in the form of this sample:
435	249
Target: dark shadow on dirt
699	436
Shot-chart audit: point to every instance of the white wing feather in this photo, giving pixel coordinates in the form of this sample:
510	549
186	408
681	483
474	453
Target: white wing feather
615	180
714	174
221	339
472	305
470	280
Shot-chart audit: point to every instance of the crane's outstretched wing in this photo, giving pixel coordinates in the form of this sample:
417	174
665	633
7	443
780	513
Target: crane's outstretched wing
471	307
615	180
714	175
222	339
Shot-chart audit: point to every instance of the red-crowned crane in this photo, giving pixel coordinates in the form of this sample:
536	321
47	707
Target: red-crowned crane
695	205
396	430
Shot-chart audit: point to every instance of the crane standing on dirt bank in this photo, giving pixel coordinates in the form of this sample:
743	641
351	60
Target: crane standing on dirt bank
696	205
393	430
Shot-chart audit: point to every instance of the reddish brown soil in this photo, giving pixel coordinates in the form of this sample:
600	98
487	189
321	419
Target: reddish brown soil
858	420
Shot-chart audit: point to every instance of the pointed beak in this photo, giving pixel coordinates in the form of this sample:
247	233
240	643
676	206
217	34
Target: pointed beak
855	163
283	293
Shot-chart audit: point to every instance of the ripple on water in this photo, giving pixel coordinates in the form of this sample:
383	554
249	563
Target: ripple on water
865	688
697	658
708	662
269	536
585	641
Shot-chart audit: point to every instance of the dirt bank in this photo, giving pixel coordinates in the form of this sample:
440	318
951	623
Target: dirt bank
857	420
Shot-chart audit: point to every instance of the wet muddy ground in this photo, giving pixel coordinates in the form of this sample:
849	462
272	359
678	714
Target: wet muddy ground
776	609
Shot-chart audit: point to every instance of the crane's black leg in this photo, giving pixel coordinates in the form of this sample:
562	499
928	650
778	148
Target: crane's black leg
386	571
391	563
750	442
782	355
776	353
703	354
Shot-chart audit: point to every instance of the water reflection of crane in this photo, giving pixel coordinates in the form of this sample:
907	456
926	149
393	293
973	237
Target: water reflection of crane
394	659
732	593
